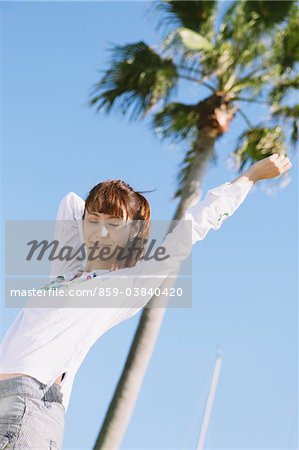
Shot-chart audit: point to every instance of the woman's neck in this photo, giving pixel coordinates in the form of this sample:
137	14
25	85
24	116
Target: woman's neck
97	265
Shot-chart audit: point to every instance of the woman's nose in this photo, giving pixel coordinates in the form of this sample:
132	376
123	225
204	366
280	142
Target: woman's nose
102	230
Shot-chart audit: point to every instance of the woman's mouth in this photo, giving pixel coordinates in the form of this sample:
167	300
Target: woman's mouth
100	244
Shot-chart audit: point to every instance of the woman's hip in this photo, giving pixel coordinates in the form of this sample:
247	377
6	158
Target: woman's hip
31	417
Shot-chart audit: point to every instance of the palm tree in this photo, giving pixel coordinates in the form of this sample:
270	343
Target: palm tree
245	52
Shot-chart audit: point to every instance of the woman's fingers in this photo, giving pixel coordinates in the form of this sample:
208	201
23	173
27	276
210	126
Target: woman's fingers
282	161
287	164
281	158
283	164
274	156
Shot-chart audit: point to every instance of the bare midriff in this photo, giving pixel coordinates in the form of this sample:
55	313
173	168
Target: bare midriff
5	376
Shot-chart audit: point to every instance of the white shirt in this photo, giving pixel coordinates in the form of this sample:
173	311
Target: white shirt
45	342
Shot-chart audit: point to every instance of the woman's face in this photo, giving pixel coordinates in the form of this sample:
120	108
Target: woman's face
102	230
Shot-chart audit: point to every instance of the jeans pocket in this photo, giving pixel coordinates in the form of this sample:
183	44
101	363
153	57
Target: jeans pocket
4	441
12	409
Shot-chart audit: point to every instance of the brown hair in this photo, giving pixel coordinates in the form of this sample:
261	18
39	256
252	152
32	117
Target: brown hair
115	197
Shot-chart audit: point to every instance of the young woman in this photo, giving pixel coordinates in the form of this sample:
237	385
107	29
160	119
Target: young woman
44	347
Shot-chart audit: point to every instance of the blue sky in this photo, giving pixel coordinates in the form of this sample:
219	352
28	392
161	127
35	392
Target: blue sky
244	275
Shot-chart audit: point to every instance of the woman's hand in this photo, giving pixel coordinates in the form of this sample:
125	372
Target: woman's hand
270	167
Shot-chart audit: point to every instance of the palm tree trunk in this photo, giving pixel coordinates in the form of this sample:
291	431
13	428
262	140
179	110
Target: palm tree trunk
125	396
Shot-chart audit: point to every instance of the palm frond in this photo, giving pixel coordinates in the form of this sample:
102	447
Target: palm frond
193	41
228	28
266	13
295	134
186	46
290	113
251	83
283	87
198	15
246	21
286	45
176	121
138	78
258	143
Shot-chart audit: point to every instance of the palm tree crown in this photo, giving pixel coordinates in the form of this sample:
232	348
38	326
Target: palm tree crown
248	55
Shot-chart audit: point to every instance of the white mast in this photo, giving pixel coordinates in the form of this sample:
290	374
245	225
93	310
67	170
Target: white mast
209	405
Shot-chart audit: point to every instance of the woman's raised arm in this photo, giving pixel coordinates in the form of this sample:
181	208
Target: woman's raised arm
218	204
68	232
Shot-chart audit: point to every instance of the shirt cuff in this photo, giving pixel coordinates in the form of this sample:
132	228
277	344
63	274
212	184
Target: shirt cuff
218	204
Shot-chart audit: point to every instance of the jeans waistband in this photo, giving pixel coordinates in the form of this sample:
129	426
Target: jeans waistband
30	386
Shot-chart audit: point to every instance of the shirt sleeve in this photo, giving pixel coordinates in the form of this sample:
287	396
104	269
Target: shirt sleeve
210	213
218	204
69	232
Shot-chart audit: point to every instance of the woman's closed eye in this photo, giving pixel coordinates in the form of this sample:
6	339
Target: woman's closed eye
111	224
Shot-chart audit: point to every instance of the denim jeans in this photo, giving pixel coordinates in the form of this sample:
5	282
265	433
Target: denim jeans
31	416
